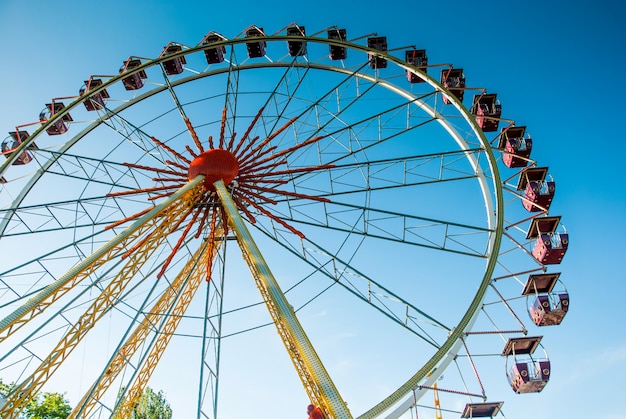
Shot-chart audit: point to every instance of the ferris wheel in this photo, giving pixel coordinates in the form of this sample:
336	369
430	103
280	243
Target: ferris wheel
236	219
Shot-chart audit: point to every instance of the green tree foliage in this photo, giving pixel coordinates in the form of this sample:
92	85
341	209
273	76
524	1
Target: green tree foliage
5	388
48	406
152	405
44	406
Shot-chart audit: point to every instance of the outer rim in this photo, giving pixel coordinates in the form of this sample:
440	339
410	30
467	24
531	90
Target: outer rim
437	363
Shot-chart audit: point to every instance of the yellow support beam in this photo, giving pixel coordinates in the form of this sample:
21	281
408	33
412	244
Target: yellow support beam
53	292
192	275
316	380
159	223
438	414
182	284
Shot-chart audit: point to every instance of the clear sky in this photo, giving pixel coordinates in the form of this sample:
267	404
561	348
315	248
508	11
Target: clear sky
557	66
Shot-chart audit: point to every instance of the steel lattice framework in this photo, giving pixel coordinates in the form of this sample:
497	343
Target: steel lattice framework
351	180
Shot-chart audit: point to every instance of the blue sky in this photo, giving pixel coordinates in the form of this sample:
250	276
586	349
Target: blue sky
556	66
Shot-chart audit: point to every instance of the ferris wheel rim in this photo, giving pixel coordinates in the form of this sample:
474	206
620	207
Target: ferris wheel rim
453	343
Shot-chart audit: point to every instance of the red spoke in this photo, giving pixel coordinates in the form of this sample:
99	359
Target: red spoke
191	151
149	236
202	221
130	218
159	196
250	127
259	168
286	172
273	217
164	179
171	150
271	137
154	169
135	247
181	239
272	181
294	194
243	208
291	149
144	190
224	219
192	131
246	148
223	127
252	160
173	163
247	191
231	142
209	262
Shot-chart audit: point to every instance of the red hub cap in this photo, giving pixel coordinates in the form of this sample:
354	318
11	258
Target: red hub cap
215	164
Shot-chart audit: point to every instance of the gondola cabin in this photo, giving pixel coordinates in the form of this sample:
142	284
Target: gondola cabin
97	100
418	58
60	126
516	146
538	192
487	110
256	49
547	305
215	54
526	374
337	52
176	64
12	142
550	246
453	79
529	376
133	81
481	410
296	48
378	43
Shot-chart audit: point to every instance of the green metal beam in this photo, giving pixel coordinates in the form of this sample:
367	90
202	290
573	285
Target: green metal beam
316	380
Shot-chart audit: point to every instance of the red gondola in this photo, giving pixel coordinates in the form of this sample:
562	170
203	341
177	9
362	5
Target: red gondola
12	142
135	80
550	246
256	49
547	305
453	79
418	58
538	192
527	374
60	126
175	65
296	48
516	146
337	52
487	110
97	100
380	44
215	54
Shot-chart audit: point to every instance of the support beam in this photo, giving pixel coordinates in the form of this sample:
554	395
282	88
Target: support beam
317	382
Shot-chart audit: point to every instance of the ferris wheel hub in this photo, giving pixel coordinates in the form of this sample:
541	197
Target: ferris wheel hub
215	164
